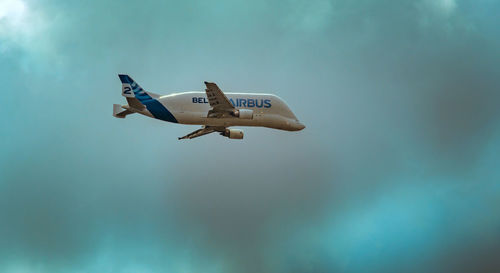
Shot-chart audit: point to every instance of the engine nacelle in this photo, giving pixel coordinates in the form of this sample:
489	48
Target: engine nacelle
233	133
243	113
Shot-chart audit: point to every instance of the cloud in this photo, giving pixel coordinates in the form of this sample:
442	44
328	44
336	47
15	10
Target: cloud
445	6
12	11
400	147
28	36
18	23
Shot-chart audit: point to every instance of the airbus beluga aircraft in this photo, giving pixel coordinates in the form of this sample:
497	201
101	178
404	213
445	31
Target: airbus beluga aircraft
212	109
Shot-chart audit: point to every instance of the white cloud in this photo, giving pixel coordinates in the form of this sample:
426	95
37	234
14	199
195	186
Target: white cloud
437	13
19	26
13	14
446	6
26	32
12	10
442	7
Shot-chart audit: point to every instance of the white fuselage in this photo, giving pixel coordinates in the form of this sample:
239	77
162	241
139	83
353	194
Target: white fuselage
268	110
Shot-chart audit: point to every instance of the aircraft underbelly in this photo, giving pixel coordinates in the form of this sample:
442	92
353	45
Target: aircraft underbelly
198	118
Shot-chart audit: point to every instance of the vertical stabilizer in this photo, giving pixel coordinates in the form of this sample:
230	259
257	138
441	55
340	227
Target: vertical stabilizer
127	90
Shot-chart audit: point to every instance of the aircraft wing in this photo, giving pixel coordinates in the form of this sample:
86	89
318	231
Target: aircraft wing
203	131
217	99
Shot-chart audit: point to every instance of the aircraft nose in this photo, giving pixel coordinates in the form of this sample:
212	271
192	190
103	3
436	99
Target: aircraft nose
300	126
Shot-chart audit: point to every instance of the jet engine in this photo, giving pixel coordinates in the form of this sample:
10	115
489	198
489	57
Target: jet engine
233	133
243	113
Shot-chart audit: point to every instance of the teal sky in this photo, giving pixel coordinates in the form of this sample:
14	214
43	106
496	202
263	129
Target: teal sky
397	170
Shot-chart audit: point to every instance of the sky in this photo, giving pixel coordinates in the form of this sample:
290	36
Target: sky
396	171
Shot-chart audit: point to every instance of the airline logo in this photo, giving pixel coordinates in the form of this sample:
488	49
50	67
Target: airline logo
259	103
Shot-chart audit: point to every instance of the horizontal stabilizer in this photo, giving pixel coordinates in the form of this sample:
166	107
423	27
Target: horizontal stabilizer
119	112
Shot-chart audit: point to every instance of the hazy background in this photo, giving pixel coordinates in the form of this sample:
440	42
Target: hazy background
397	170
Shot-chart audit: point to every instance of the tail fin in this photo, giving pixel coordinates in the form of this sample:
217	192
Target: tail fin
138	99
131	89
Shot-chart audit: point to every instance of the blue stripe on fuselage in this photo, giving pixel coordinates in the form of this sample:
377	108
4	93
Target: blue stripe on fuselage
159	111
154	106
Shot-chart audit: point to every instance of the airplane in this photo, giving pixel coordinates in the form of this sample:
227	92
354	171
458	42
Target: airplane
212	109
